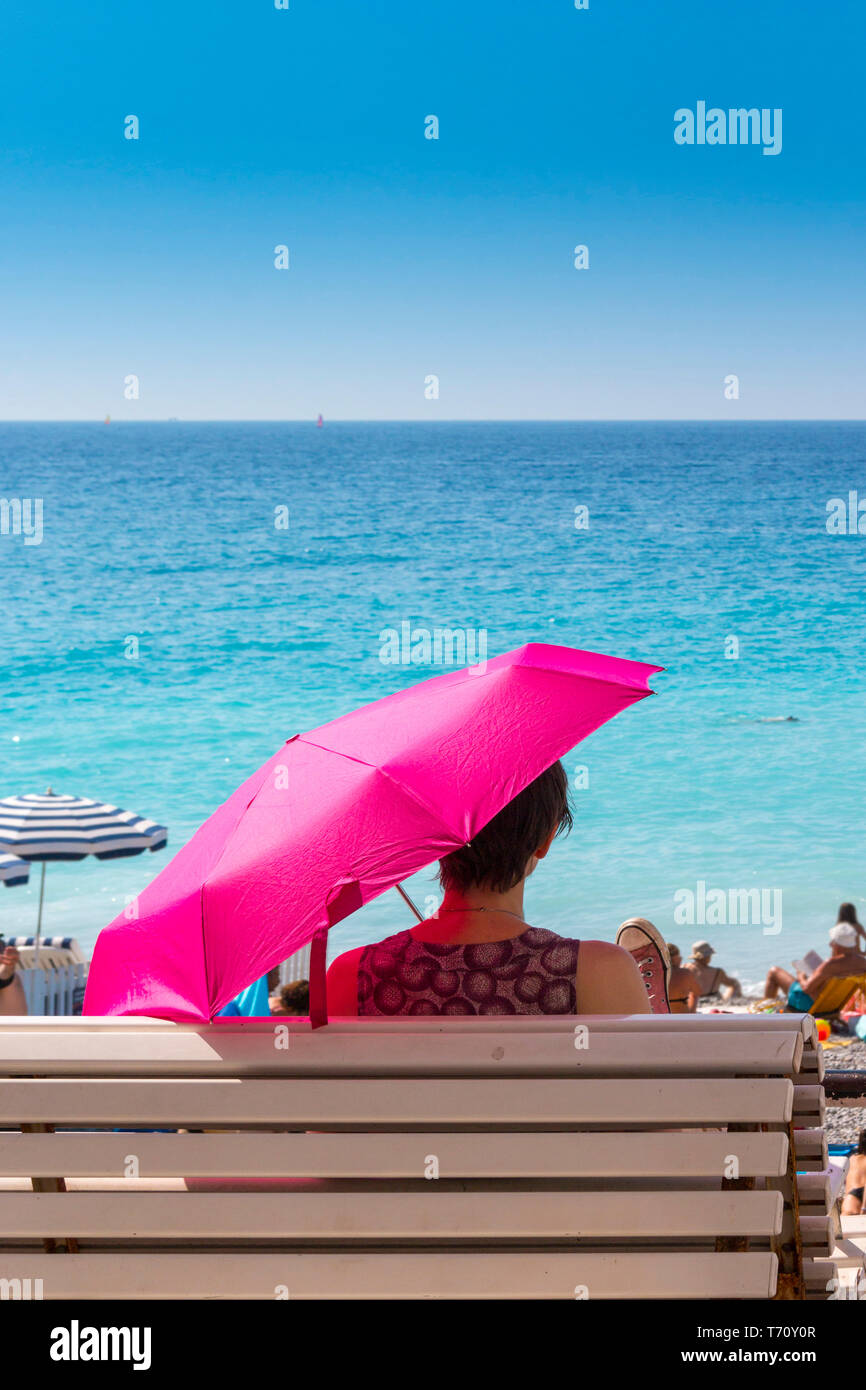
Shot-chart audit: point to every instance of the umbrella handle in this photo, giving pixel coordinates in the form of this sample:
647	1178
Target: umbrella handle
318	980
403	894
318	952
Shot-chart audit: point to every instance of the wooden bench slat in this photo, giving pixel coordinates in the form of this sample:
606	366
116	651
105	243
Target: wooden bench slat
519	1024
433	1274
375	1054
810	1106
812	1064
810	1149
817	1235
821	1277
391	1215
629	1023
308	1104
813	1190
543	1155
847	1253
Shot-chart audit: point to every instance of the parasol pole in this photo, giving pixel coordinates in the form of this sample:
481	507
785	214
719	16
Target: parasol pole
39	918
49	791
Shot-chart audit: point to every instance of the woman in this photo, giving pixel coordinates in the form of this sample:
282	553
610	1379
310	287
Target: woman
848	913
684	993
477	954
852	1204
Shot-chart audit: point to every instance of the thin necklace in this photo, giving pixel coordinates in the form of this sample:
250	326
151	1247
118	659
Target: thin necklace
506	910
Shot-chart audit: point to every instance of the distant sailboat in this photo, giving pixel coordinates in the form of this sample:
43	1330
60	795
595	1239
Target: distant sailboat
108	419
320	422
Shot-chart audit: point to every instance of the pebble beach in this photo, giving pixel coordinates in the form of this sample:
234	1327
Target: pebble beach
844	1123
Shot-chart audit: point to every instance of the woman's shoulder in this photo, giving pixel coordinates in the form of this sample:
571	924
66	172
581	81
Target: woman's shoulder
389	945
608	980
603	959
604	952
540	937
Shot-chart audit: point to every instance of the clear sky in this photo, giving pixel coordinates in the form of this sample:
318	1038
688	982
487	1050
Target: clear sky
412	257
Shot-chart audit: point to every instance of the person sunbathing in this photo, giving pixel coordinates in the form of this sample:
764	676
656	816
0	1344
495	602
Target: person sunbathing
478	954
683	991
12	997
802	990
711	980
855	1181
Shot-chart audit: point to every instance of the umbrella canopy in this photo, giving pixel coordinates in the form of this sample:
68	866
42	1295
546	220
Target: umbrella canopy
72	827
343	813
52	826
13	870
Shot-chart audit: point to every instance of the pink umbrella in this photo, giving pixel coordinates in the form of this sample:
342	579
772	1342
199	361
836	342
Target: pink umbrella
343	813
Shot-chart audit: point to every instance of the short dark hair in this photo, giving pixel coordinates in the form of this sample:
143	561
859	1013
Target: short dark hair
848	913
496	858
295	997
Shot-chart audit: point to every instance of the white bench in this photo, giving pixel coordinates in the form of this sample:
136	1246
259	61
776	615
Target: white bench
646	1157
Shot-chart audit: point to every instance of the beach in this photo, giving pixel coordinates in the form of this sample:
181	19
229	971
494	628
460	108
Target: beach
718	799
844	1123
432	719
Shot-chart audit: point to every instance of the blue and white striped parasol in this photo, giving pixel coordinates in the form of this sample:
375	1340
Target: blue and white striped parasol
13	870
40	828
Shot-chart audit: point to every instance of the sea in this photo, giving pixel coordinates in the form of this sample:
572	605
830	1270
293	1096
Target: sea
200	592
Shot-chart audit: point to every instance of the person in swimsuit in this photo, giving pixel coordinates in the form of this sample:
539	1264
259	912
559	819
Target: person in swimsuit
711	980
478	954
852	1202
683	988
801	992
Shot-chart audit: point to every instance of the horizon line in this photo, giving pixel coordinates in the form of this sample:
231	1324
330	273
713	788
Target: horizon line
455	420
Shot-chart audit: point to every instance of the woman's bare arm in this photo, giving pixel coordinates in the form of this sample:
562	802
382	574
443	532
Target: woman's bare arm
608	981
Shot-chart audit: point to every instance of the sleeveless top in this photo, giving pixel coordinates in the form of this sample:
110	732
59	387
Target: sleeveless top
529	974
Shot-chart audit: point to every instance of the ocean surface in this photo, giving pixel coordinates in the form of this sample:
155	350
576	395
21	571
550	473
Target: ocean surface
747	771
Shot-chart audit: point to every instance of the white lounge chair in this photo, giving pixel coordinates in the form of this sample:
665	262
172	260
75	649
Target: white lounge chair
53	974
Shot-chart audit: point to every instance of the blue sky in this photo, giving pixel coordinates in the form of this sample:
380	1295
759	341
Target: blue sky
412	257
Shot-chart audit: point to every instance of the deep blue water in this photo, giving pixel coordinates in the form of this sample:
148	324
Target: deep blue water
698	532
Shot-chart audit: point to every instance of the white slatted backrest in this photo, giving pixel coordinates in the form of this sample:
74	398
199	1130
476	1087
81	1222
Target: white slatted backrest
50	992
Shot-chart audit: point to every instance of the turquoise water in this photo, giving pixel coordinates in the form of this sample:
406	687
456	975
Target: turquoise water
697	533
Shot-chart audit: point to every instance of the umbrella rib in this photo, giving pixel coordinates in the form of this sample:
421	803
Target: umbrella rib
406	790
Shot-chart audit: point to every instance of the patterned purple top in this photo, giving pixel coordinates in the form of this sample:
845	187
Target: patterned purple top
530	974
